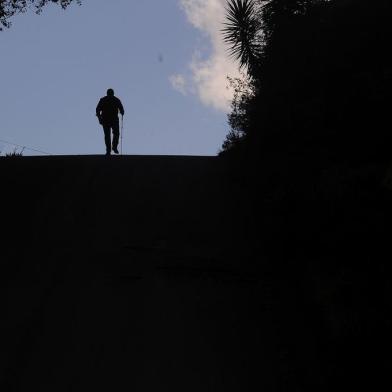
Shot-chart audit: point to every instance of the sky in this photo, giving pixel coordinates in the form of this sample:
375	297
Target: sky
165	60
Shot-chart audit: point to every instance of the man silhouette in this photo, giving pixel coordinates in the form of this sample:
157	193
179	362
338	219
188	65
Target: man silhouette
107	113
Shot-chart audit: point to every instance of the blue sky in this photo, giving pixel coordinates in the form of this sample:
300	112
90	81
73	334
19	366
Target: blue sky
164	59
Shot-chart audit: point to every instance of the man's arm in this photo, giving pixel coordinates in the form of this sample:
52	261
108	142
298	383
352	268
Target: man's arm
121	107
98	110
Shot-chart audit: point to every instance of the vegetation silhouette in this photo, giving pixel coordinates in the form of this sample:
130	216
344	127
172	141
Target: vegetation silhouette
9	8
107	112
310	145
314	90
15	153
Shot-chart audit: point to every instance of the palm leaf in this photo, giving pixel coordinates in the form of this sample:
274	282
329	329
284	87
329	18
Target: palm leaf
242	31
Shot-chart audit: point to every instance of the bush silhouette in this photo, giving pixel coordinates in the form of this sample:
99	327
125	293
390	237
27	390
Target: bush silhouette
320	74
8	8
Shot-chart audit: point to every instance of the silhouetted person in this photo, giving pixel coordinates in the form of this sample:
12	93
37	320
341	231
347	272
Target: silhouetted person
107	113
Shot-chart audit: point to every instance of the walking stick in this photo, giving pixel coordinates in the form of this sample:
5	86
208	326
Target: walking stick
122	129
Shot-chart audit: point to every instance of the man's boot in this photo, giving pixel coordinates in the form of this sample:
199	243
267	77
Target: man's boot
115	150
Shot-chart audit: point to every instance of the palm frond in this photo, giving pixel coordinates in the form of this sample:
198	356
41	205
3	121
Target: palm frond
242	31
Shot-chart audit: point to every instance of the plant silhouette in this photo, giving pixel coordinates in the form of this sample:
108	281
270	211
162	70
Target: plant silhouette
320	77
310	149
8	8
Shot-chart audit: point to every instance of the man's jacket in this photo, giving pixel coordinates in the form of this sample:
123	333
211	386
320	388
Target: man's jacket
108	108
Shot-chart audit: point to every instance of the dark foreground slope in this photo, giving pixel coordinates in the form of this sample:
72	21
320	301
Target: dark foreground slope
145	273
116	205
121	274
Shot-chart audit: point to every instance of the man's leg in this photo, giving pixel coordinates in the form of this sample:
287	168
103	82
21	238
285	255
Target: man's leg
108	143
116	135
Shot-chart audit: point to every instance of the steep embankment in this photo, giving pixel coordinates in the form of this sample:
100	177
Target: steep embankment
123	274
96	204
138	273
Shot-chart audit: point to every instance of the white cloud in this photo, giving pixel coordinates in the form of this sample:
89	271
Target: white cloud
179	83
209	76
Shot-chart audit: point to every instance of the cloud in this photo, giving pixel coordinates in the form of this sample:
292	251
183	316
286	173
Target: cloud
209	75
179	83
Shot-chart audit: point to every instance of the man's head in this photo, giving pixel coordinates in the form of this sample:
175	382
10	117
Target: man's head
110	92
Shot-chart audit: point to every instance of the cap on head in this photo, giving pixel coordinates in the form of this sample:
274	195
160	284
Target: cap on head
110	92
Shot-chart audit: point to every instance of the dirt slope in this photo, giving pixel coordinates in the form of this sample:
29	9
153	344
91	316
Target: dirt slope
125	273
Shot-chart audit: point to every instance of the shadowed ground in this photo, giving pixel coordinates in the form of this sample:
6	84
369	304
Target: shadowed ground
138	273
